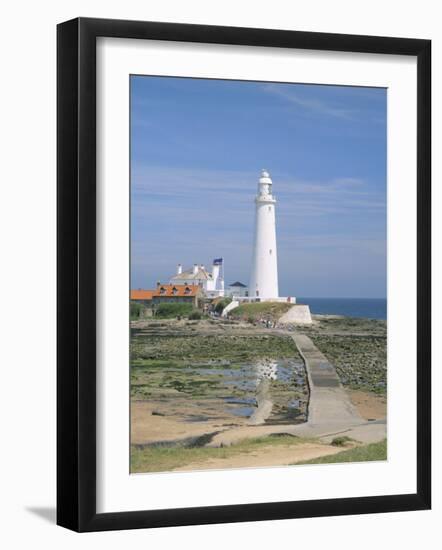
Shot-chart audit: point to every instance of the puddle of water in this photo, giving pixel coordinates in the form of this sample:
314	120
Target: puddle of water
239	386
245	412
241	400
247	378
252	374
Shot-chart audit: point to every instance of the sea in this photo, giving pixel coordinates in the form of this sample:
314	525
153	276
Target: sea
369	308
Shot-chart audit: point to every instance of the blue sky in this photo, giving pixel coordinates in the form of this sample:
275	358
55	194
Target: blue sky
197	148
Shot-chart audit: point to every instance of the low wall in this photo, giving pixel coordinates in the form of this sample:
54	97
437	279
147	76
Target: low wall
252	299
233	304
297	315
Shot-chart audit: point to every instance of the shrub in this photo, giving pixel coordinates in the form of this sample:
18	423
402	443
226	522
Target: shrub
195	315
176	309
135	310
341	441
222	304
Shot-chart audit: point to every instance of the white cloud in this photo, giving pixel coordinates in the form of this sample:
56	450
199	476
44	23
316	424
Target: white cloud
309	104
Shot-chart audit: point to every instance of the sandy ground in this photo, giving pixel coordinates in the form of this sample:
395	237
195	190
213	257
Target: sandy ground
265	457
370	406
147	428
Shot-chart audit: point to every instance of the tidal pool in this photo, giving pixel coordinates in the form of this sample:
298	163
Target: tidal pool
262	391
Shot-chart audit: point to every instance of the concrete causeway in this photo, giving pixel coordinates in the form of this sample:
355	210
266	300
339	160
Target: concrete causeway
330	411
329	403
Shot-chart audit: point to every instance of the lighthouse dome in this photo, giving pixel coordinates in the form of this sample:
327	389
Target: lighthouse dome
265	177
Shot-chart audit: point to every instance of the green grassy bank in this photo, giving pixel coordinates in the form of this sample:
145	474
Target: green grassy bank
257	310
373	451
160	458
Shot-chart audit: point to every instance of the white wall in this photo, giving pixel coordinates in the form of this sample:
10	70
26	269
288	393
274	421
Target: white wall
237	291
263	281
27	219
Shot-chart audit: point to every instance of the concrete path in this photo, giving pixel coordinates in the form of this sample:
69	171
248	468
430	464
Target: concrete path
329	403
330	411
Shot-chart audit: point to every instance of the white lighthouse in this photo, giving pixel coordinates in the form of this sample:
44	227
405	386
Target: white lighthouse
263	282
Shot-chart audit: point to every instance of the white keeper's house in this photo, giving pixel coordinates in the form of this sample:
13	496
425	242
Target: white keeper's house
237	289
211	282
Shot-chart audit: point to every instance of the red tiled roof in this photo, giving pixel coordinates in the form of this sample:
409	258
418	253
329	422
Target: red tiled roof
165	290
141	294
177	290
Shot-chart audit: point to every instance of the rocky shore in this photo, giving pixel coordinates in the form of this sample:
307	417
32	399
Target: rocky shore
191	380
356	347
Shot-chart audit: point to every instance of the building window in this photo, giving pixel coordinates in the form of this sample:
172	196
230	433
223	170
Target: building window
270	208
270	251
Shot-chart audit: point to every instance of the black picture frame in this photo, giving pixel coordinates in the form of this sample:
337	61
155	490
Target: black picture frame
76	273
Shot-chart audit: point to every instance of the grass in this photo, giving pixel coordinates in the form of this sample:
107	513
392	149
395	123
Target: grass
170	311
160	459
373	451
254	311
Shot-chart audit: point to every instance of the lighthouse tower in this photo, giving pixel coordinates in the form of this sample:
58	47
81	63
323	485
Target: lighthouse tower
263	282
